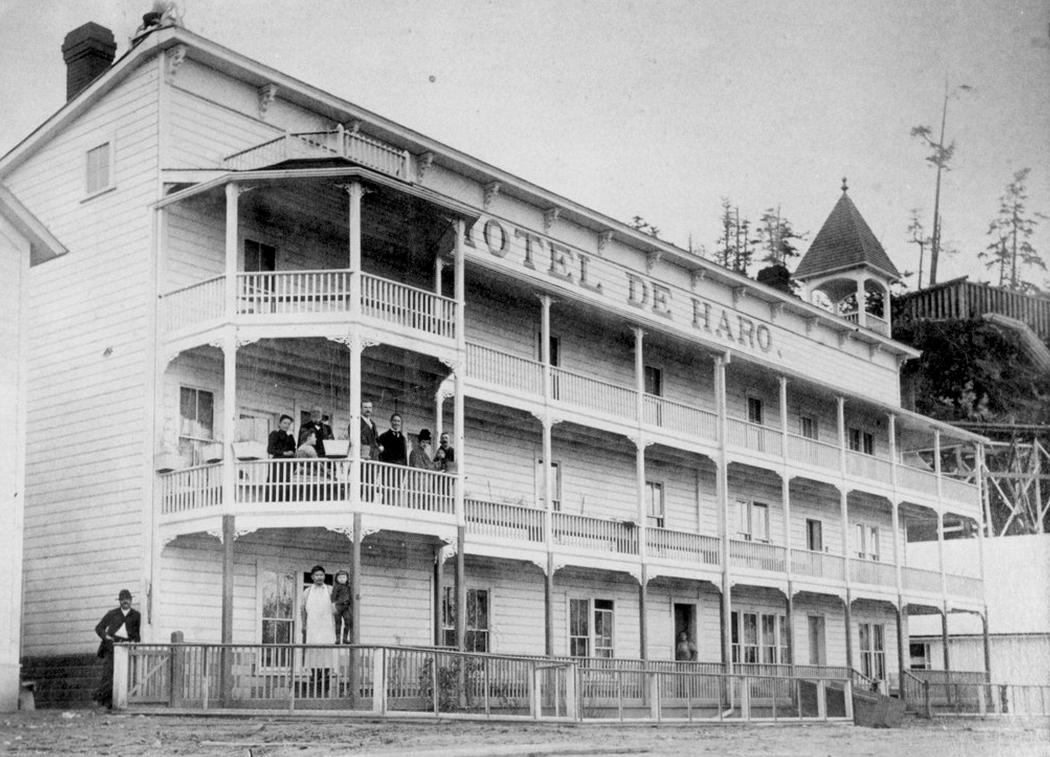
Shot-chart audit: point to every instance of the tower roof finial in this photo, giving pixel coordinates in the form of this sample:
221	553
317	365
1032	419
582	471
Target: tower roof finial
844	186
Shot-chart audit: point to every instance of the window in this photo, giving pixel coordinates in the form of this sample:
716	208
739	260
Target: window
555	484
807	426
259	257
754	410
98	174
585	635
867	541
752	520
814	535
919	654
654	503
861	441
476	635
873	650
277	615
653	378
196	422
759	637
555	349
817	652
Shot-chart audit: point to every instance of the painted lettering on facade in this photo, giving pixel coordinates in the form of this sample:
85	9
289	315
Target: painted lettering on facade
566	264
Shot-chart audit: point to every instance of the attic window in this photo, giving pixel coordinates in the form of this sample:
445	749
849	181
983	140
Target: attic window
99	176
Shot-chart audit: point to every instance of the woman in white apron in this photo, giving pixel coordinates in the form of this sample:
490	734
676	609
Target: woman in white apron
316	610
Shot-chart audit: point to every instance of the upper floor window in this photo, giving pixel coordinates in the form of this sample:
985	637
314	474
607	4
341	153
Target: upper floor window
861	441
807	426
752	520
754	410
259	257
654	503
653	380
196	422
555	347
99	169
867	541
814	535
555	473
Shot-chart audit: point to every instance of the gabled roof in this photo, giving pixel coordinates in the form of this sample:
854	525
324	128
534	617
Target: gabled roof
42	243
844	242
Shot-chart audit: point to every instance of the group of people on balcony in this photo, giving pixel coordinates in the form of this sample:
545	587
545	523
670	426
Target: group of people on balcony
391	446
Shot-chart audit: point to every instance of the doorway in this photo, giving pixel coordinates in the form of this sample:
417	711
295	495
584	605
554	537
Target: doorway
817	651
684	622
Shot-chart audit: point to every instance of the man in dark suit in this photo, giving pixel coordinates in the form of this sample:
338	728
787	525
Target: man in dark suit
392	446
118	626
319	427
370	446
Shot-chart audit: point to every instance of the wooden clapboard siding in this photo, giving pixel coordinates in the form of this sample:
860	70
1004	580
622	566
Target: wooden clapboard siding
688	493
86	367
874	515
619	587
516	602
688	374
750	484
662	596
597	480
817	503
502	323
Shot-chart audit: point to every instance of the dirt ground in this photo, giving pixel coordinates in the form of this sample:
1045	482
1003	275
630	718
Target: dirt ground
86	732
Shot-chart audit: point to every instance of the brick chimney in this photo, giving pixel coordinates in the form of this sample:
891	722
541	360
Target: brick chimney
88	51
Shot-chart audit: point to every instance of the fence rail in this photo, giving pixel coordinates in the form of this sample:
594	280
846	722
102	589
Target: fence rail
384	680
958	299
504	521
595	533
818	564
755	437
919	579
190	489
508	371
812	452
352	145
408	306
293	292
756	556
680	418
594	394
682	545
193	304
871	572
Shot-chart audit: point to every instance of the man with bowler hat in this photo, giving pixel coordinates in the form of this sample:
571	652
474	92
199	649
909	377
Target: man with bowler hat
118	626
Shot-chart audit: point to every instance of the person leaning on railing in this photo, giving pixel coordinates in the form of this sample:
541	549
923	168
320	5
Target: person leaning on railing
118	626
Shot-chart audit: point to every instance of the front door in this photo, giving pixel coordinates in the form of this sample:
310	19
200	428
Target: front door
817	653
684	622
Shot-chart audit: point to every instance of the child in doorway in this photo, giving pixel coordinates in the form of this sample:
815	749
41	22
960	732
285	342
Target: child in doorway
342	601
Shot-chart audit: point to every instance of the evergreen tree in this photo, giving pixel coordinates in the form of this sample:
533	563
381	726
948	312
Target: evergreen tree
1011	231
777	237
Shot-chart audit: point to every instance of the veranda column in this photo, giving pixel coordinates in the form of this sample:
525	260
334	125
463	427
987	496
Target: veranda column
229	493
548	485
722	488
785	497
233	192
844	516
354	193
862	310
640	489
460	433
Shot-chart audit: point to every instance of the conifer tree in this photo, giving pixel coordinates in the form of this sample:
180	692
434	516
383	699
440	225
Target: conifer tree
1011	230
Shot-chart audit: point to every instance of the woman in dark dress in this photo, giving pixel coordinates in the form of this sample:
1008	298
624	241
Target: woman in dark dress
280	446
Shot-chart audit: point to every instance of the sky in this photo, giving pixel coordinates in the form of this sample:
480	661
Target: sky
658	108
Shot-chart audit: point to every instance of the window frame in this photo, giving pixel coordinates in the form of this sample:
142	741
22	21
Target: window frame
109	147
872	653
653	380
659	518
868	535
471	633
746	511
861	441
819	531
196	443
814	427
755	409
600	613
556	499
749	644
278	659
260	247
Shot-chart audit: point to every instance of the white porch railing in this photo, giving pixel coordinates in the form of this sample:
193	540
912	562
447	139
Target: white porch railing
924	482
190	489
595	533
962	492
818	564
293	292
963	586
408	306
507	371
919	579
594	394
754	436
868	466
504	521
355	146
871	572
680	418
811	452
292	480
681	545
411	488
192	304
755	555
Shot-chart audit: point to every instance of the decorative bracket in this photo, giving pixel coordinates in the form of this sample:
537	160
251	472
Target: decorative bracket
491	192
873	350
811	321
353	127
550	217
267	94
651	259
697	277
244	341
174	59
453	364
775	309
239	532
345	530
423	161
739	293
604	238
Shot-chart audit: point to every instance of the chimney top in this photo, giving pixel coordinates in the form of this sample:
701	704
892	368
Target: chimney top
88	51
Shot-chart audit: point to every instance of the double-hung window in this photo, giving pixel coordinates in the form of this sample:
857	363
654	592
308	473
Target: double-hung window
867	541
759	638
752	520
476	633
591	628
196	422
873	650
861	441
98	174
654	503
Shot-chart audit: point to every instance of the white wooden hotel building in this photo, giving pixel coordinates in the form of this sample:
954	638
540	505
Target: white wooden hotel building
647	442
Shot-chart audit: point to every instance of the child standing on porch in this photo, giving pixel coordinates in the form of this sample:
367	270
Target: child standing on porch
342	603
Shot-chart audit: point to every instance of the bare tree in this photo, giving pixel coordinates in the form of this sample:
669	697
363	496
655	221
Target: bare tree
919	237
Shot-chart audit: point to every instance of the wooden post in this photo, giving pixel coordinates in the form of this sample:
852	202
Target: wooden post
355	579
461	590
947	654
120	676
987	646
901	615
548	605
226	632
722	489
379	681
849	629
439	595
177	674
233	192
